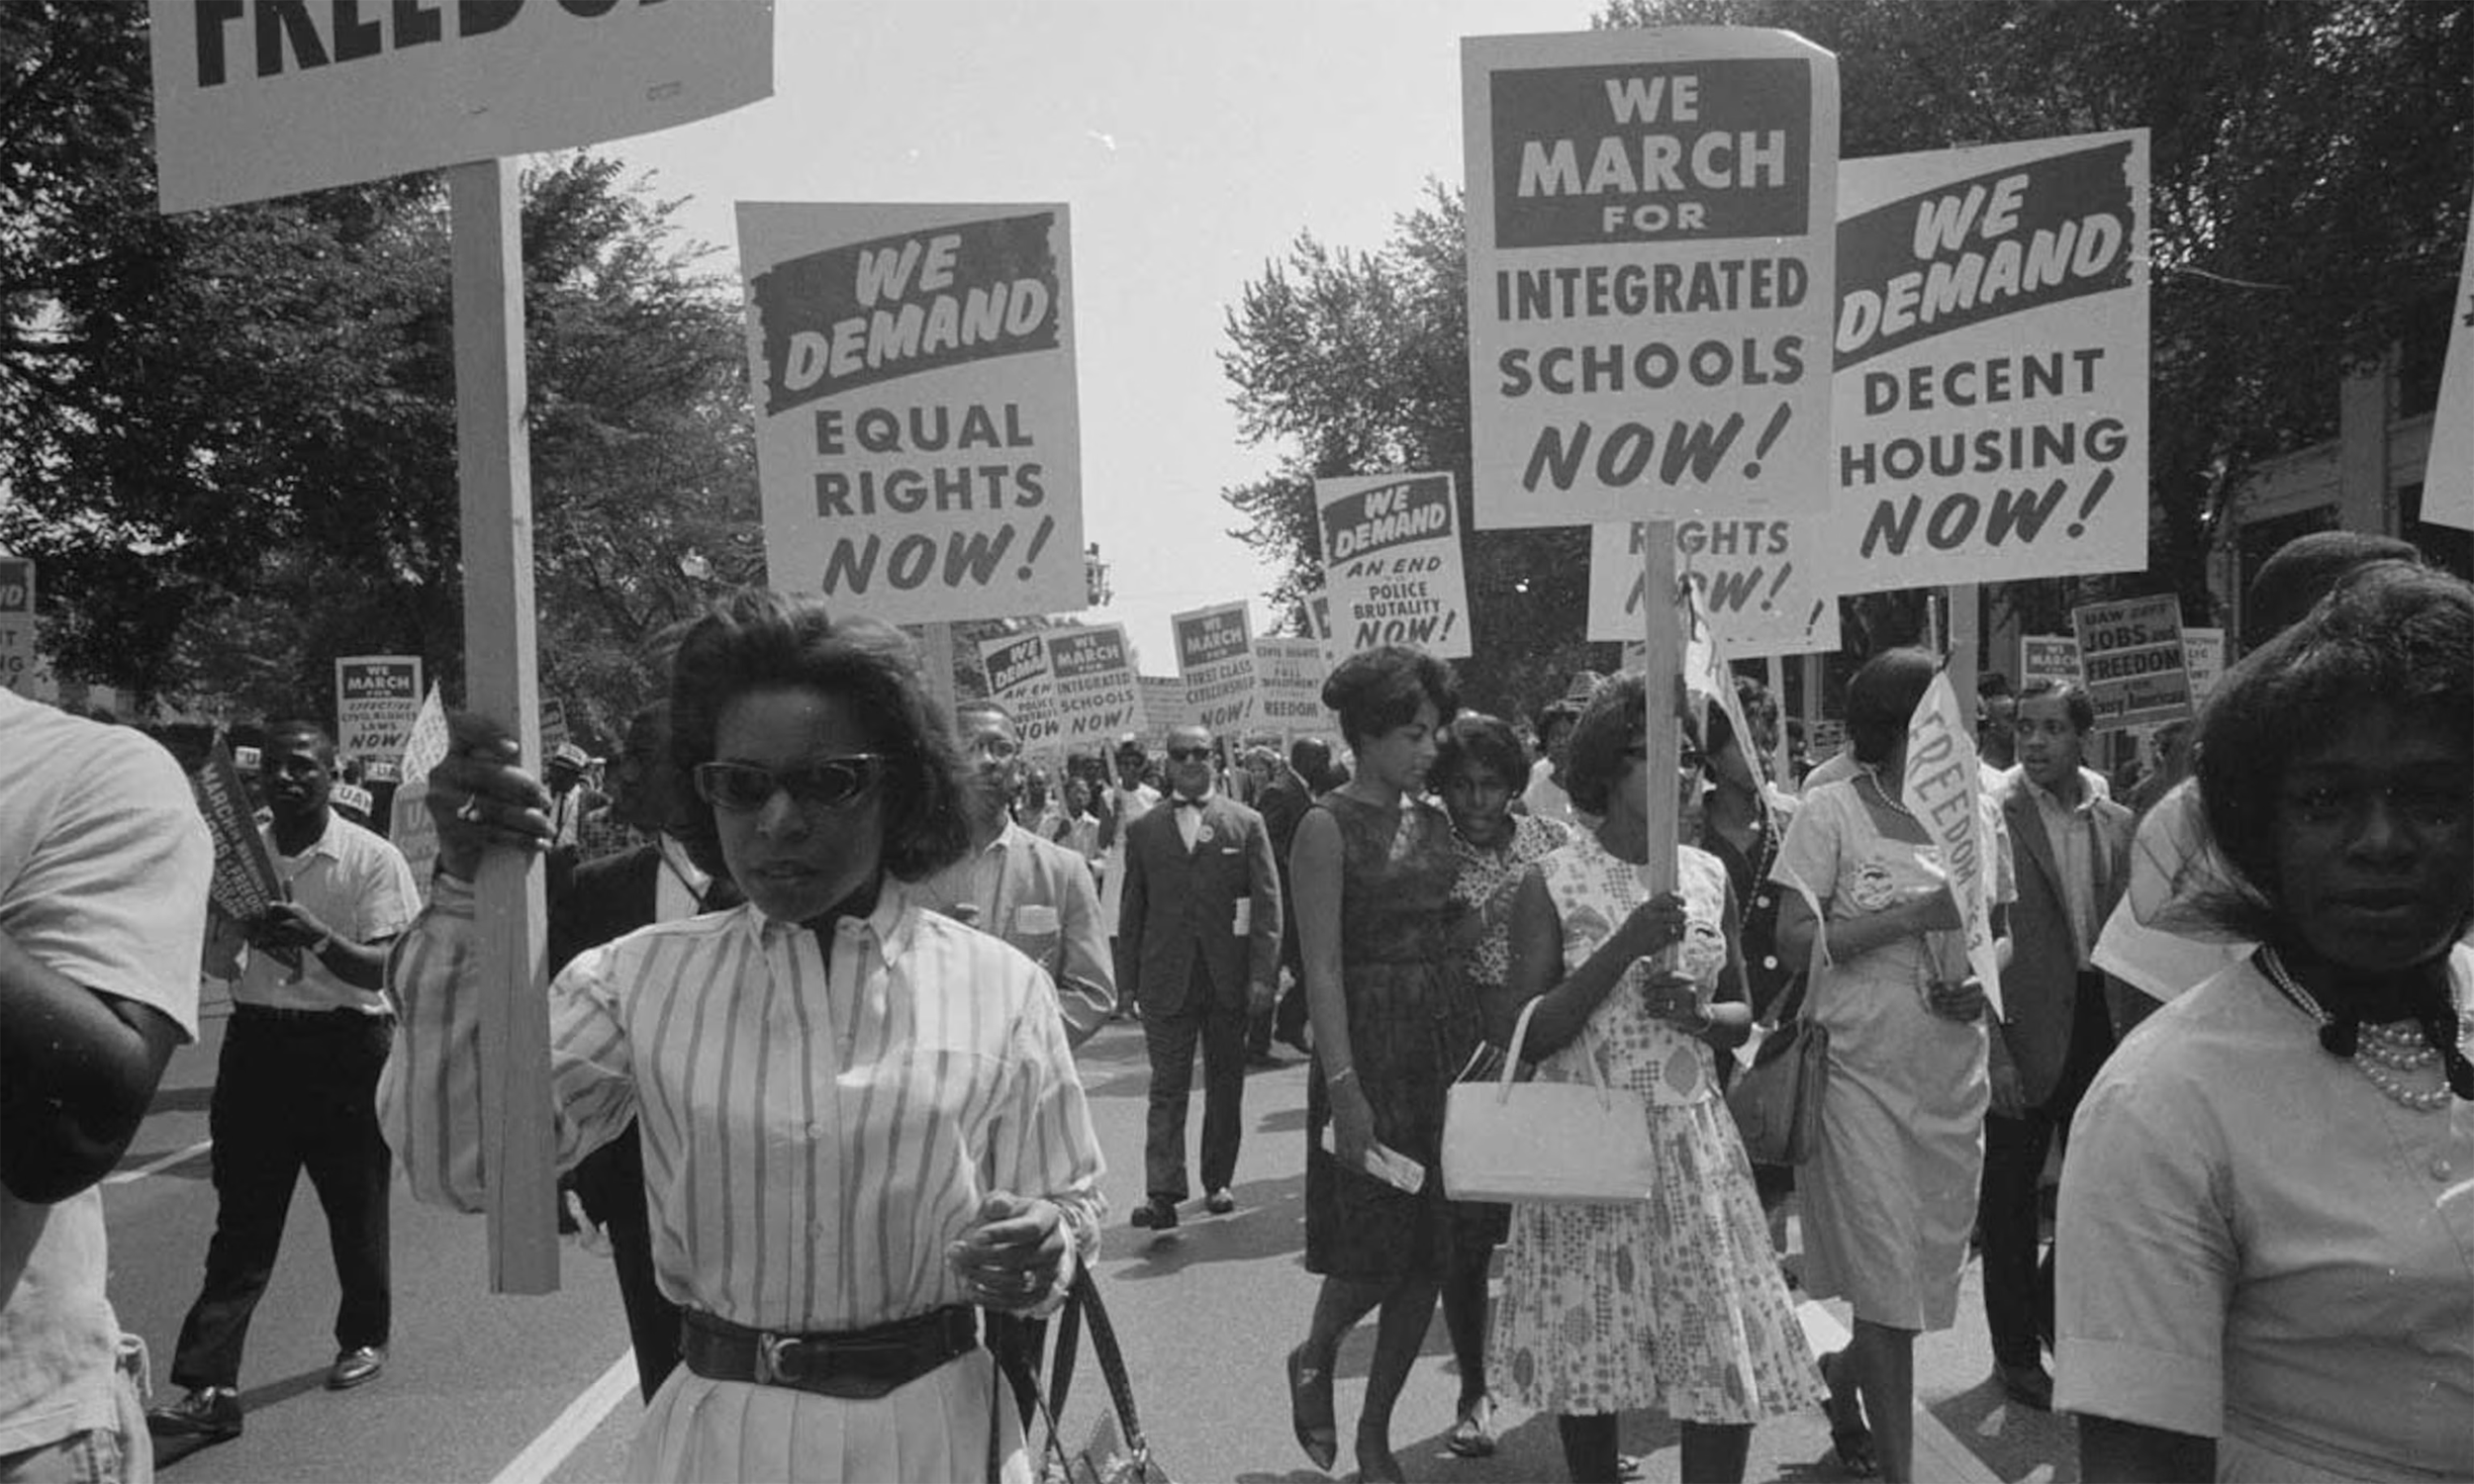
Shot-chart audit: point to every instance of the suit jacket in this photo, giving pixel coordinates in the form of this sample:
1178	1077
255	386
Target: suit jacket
1284	807
1047	907
601	901
1183	906
2039	986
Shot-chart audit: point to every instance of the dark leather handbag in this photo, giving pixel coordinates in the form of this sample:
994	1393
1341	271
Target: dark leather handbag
1116	1450
1777	1102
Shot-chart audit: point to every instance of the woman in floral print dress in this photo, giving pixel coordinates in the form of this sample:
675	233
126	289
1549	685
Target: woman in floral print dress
1675	1301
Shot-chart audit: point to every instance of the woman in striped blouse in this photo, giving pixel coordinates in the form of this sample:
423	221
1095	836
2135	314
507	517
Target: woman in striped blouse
861	1121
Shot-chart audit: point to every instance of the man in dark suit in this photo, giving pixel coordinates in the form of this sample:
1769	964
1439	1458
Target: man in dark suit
2073	856
602	901
1201	924
1283	803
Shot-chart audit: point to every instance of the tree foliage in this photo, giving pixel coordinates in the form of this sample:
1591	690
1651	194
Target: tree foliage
1356	364
231	442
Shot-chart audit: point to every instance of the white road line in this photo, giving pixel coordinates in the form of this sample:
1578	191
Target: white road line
542	1456
165	1162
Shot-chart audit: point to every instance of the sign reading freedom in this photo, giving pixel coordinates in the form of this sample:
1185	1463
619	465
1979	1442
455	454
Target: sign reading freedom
262	98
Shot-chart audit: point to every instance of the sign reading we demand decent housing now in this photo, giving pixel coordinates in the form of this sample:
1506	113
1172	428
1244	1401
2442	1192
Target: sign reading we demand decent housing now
1991	351
1650	231
1391	563
912	370
261	98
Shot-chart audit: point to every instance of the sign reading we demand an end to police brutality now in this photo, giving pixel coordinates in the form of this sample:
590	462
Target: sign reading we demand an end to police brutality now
1016	669
1990	402
262	98
1650	230
912	370
1391	563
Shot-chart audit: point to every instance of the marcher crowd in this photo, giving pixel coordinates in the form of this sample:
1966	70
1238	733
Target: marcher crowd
824	952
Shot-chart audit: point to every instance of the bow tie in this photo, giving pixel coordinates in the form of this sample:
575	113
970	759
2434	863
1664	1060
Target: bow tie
1180	801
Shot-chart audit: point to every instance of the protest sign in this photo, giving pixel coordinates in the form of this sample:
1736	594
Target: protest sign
1650	218
1092	671
17	625
1942	791
1016	668
409	825
1289	681
1215	655
376	698
245	884
1824	739
2130	659
1759	582
1166	707
2047	657
1391	563
273	96
553	727
912	370
2203	655
2448	469
1990	385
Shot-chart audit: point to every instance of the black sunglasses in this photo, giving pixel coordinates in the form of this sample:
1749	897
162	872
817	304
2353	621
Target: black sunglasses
1189	754
744	787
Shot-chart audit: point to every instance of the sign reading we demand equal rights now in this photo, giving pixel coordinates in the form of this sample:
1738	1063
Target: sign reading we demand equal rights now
916	440
262	98
1650	225
1762	584
1991	350
1391	563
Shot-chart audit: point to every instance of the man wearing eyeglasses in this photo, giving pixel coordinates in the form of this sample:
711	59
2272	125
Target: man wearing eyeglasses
1033	893
1200	929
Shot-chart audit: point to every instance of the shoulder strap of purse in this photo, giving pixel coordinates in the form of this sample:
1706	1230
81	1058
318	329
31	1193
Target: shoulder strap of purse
1111	1362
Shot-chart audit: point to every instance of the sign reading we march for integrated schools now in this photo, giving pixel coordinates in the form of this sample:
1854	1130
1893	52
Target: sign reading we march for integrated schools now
1990	402
262	98
1093	670
912	372
1391	563
1650	230
1761	581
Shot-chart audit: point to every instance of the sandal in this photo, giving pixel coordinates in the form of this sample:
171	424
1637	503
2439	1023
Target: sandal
1311	1409
1473	1437
1851	1442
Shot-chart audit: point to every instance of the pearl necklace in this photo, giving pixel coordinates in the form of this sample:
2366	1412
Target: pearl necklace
2382	1053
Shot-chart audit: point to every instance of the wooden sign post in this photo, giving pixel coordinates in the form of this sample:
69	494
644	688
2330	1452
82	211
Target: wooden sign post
502	680
1663	671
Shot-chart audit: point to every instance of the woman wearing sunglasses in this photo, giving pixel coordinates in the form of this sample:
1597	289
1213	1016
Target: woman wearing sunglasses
861	1121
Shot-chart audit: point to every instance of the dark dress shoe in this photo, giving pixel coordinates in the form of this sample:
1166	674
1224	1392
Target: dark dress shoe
352	1368
2025	1383
1157	1213
1219	1202
209	1411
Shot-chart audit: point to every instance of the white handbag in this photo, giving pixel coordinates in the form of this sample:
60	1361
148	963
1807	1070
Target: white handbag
1559	1142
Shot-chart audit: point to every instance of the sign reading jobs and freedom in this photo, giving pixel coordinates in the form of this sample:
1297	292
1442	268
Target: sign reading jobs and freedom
1097	700
912	369
1650	229
2130	657
1991	352
1215	655
261	98
1391	563
1761	584
377	695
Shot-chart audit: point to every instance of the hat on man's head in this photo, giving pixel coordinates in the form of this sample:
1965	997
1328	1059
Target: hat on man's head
1584	687
573	756
1130	746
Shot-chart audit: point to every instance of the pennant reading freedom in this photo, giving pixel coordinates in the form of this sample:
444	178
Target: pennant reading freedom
1991	364
1650	229
917	437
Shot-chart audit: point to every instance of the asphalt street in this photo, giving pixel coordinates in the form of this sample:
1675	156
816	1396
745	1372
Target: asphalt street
527	1390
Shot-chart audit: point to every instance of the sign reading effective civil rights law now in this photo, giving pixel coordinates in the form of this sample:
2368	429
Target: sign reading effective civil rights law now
916	442
377	695
1391	563
1990	392
262	98
1650	223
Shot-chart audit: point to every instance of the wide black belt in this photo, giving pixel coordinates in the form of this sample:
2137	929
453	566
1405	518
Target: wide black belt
857	1364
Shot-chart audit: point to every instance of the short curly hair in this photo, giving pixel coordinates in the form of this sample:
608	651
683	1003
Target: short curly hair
2391	633
756	640
1612	724
1475	739
1377	690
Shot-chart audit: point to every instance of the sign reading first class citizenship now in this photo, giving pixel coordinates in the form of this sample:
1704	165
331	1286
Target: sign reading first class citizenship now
263	98
1651	224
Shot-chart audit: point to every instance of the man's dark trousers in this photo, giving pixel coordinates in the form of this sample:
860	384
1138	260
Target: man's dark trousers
2018	1286
1222	1028
293	1091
